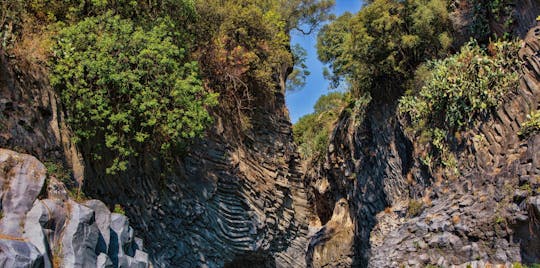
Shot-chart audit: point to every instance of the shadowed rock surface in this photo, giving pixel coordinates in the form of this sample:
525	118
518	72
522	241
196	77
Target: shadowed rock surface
484	215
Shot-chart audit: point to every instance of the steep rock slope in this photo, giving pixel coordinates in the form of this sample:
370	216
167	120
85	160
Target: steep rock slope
236	200
487	214
367	164
31	117
490	212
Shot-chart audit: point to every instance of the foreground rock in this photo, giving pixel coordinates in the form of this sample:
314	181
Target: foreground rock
58	231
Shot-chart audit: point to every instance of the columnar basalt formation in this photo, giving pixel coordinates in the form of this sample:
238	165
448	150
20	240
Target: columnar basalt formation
54	230
486	214
235	200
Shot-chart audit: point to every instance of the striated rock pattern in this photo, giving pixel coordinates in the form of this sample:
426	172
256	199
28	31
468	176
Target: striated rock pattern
57	232
236	199
367	163
488	212
485	215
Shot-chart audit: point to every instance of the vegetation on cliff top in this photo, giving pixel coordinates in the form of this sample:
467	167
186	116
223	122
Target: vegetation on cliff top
139	76
377	49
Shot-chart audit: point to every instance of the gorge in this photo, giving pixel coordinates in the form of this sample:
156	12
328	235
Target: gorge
155	134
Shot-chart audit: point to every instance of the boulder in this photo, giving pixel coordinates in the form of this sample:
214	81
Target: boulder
21	180
20	254
80	237
103	261
103	222
33	232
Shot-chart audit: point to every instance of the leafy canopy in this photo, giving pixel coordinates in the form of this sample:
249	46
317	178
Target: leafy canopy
129	88
375	50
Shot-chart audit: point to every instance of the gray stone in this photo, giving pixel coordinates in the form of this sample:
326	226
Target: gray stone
103	261
140	243
21	179
33	232
103	222
534	201
19	254
141	256
80	237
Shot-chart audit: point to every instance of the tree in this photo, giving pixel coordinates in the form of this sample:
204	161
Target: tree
376	50
312	131
128	88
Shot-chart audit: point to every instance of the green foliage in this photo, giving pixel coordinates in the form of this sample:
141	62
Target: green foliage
459	89
297	78
312	131
486	14
11	18
58	171
531	126
374	50
415	207
462	87
119	209
247	41
128	88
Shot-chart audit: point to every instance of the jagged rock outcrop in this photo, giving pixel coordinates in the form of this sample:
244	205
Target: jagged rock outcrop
367	163
51	232
485	215
331	245
31	117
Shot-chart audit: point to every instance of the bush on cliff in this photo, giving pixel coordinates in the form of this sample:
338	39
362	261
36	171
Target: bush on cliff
450	94
128	88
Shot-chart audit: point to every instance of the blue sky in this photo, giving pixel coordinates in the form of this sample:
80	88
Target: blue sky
301	101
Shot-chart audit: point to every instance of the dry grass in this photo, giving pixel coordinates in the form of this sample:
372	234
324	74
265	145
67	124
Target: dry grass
456	219
410	178
426	199
33	48
14	238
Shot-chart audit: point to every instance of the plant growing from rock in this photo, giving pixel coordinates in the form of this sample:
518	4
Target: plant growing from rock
453	93
531	126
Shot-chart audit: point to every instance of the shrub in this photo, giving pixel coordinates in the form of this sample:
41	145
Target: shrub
58	171
312	131
459	89
119	209
128	88
531	126
415	207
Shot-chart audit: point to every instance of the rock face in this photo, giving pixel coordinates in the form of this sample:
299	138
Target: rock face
485	215
31	118
331	245
236	200
51	232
